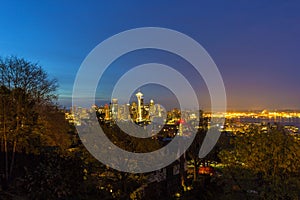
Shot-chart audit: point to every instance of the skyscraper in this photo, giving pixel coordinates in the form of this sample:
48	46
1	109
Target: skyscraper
151	110
139	97
114	109
106	111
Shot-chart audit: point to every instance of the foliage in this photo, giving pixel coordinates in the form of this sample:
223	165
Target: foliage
25	91
17	73
55	177
271	156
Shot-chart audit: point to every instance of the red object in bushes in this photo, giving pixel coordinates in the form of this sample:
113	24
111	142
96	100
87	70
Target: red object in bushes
206	170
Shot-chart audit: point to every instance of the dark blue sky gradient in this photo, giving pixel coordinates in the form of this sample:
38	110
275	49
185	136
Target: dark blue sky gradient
255	44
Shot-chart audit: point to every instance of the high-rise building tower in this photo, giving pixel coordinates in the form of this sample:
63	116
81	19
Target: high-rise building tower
159	110
106	111
114	109
151	110
139	97
133	111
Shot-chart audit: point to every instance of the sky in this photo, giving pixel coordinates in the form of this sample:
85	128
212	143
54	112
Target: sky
255	44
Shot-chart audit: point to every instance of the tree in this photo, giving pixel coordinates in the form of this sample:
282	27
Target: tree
55	177
193	151
272	155
25	90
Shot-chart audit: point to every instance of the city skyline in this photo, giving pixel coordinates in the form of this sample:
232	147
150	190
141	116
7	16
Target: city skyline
254	44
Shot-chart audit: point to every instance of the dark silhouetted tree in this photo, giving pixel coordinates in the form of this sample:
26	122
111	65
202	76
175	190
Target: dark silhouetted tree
25	90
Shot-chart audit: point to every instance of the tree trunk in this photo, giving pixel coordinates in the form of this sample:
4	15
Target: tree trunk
12	159
5	178
182	172
2	144
6	156
195	169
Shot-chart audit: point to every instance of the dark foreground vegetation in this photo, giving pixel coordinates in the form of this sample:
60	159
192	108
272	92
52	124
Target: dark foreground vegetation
43	158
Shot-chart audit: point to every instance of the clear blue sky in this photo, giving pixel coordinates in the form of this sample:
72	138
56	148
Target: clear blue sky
255	44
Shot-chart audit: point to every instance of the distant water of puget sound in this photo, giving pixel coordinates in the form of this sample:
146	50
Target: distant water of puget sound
280	120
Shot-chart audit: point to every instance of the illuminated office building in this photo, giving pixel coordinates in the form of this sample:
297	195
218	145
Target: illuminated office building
139	97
